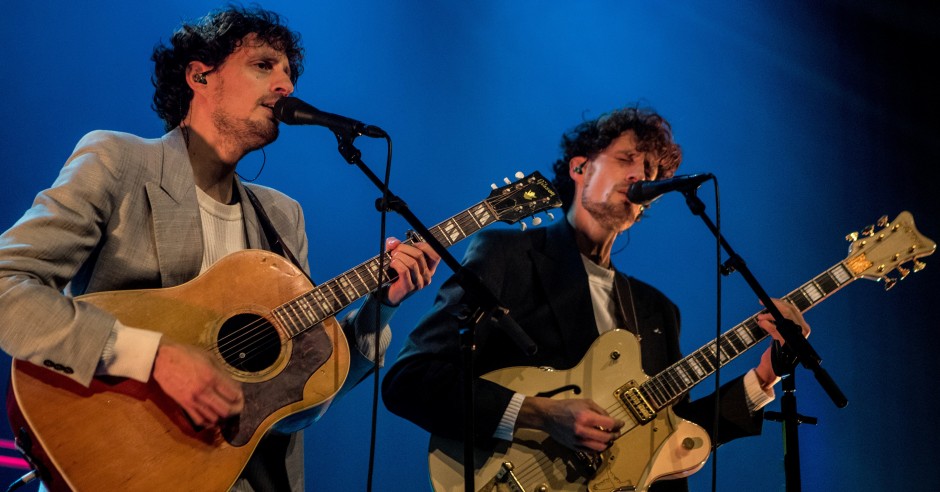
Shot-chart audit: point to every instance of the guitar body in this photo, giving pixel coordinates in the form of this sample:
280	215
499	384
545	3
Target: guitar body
119	434
666	447
261	319
654	444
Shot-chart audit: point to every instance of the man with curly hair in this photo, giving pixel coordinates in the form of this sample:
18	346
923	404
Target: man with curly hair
131	213
562	289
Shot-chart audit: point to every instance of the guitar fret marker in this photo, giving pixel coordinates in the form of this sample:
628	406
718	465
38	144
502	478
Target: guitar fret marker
812	292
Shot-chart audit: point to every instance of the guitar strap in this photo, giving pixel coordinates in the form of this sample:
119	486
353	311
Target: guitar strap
274	239
619	298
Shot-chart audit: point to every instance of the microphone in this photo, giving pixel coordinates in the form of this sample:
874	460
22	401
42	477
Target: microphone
293	111
647	191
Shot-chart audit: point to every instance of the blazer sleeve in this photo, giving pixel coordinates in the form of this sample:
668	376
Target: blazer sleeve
425	385
43	251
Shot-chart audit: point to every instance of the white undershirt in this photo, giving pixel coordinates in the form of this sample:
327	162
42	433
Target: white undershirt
601	283
223	229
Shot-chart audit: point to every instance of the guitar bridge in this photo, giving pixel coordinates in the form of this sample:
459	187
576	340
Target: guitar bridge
506	477
634	400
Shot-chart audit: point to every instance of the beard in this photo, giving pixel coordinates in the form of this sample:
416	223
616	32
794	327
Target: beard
247	134
612	216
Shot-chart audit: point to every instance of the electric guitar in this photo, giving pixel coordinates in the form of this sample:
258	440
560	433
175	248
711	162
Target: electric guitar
654	443
257	315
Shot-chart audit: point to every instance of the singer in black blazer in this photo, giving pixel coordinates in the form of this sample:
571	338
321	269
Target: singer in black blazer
539	275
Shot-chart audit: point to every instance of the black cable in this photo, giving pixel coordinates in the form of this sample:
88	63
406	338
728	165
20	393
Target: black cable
718	275
383	213
25	479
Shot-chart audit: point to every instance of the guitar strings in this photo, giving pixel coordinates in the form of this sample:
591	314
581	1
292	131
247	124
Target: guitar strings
660	383
243	340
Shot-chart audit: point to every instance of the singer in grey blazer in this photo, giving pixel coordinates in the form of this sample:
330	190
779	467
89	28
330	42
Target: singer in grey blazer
123	215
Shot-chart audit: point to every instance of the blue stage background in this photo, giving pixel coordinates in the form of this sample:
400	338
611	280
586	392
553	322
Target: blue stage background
816	117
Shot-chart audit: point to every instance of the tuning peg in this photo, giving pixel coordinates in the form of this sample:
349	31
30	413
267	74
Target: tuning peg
852	236
919	265
883	221
519	175
522	225
506	180
536	221
890	282
868	230
550	215
493	185
904	272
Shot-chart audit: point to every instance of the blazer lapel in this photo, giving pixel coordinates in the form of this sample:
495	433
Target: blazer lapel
177	227
565	283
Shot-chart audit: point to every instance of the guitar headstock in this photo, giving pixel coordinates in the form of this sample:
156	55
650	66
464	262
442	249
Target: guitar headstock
517	200
876	253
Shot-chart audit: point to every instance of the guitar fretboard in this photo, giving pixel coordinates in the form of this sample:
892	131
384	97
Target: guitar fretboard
667	386
334	295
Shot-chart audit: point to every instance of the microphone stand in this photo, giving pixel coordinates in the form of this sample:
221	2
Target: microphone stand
479	303
797	349
784	364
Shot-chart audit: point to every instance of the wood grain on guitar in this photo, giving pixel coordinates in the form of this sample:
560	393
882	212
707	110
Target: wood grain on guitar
262	320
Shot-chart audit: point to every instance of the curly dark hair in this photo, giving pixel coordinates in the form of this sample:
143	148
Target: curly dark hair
590	138
211	40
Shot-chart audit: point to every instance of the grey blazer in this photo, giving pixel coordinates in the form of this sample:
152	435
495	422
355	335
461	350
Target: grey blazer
121	215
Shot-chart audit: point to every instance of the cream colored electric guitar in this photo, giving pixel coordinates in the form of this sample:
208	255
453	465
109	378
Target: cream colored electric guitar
655	444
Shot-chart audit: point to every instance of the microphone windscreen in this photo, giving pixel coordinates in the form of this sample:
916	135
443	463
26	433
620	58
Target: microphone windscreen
285	109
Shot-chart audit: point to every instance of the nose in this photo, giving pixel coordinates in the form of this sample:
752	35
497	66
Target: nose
636	173
282	85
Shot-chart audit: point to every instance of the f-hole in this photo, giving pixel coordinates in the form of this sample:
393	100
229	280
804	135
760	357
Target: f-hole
569	387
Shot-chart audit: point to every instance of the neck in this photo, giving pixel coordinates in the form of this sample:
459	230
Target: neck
213	165
594	240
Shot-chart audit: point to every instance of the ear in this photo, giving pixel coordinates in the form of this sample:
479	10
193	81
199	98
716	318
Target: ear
194	68
576	168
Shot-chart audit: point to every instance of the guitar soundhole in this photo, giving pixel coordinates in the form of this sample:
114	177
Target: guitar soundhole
249	342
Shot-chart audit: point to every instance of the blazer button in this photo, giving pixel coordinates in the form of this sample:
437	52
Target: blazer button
68	370
48	363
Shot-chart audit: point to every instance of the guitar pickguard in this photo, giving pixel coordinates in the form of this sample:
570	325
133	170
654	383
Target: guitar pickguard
310	350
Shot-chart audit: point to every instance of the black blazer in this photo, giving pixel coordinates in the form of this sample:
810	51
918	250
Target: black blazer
539	275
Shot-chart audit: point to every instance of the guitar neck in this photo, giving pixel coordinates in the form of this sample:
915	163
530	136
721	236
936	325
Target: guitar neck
669	385
336	294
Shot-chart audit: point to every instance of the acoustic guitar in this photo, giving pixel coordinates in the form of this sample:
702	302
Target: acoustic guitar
264	322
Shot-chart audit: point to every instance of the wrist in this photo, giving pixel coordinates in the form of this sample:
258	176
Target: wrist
765	380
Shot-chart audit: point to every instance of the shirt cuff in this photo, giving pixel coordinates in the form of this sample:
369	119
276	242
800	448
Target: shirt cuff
507	424
361	324
129	352
758	396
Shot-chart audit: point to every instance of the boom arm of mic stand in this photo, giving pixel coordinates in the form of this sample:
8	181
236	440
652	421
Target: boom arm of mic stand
791	333
481	304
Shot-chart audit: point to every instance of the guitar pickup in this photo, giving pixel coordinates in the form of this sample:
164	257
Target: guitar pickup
634	400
